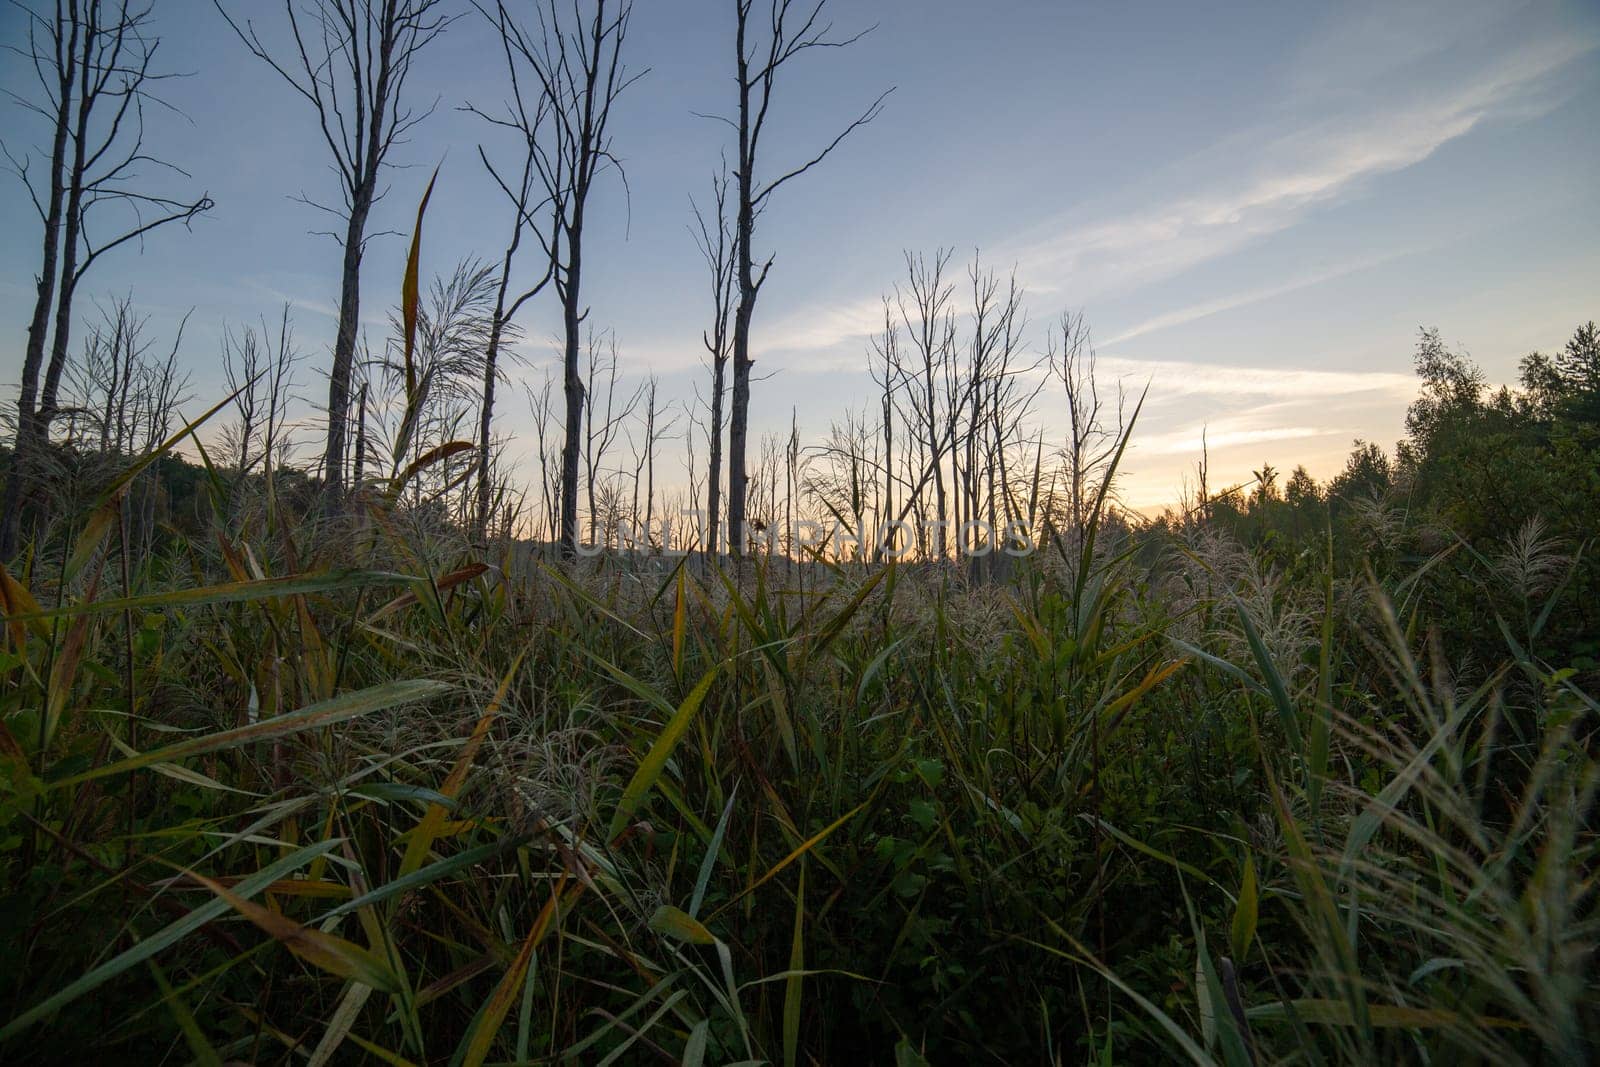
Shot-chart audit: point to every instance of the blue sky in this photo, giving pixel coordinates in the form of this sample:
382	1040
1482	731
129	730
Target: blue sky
1255	207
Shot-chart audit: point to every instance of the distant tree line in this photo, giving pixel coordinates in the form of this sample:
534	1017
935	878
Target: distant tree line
1506	479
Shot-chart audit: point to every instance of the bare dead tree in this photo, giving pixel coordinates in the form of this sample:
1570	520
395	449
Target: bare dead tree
764	487
840	474
373	383
547	518
603	419
760	53
885	369
1093	428
1015	384
95	65
1014	389
163	389
655	426
716	245
526	110
120	397
280	391
927	313
791	480
101	380
971	422
692	488
350	60
949	430
241	374
575	60
1203	500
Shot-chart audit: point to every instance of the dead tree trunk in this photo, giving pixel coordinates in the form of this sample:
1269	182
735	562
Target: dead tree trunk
576	62
526	120
791	31
94	61
350	60
718	252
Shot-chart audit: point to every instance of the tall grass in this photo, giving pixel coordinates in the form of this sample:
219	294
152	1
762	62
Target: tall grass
361	794
351	789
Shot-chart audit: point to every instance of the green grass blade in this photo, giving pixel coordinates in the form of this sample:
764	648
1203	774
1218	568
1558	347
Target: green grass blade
325	713
1277	688
226	593
712	851
170	935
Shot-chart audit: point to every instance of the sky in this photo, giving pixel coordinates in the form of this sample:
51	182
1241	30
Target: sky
1255	207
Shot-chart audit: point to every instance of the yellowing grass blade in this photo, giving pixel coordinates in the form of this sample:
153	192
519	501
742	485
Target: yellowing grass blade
447	581
655	761
481	1037
681	926
805	846
344	1017
432	822
792	985
18	604
1157	675
325	951
181	774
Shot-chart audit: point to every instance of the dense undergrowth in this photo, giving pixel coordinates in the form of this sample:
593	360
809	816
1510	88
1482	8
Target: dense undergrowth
1303	778
1149	799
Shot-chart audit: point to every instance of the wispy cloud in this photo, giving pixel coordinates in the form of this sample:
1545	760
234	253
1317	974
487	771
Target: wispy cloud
815	328
1232	443
1264	181
320	308
1205	309
1362	43
1192	439
1290	173
1190	378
